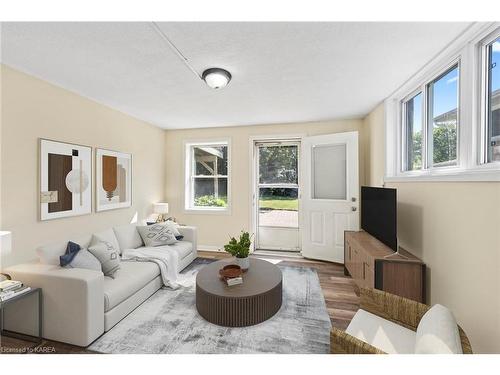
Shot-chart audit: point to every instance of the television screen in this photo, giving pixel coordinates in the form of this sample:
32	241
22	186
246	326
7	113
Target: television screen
378	214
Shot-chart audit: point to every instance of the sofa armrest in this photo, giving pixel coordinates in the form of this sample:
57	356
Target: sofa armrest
73	300
190	235
343	343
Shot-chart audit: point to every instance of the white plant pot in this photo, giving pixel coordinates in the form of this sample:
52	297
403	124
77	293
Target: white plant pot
244	263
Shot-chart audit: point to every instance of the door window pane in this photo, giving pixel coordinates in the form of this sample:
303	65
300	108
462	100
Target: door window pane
278	164
443	118
413	132
278	207
493	114
329	172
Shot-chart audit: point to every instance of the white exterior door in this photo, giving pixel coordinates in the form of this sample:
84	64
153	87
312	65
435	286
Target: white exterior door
330	199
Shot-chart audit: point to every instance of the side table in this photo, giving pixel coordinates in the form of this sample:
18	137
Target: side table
3	304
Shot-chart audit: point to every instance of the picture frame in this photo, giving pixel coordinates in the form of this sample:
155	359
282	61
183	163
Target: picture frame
113	188
65	179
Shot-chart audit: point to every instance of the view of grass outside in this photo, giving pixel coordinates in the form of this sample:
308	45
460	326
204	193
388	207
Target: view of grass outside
279	203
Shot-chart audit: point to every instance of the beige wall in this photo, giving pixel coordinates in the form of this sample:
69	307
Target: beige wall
455	228
374	126
32	108
214	229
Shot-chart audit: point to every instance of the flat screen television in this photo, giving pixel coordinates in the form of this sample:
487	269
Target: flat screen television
378	214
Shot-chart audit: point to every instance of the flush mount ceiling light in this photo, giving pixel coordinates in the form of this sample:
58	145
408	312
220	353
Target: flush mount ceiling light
216	78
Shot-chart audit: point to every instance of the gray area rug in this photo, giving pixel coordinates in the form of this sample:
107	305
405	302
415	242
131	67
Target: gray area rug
168	322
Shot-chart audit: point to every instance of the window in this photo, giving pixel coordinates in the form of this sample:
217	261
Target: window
493	101
443	124
207	172
442	120
413	132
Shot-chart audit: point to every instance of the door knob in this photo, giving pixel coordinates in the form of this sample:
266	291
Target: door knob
353	208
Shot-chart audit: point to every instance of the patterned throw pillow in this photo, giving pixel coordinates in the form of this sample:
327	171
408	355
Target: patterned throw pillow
107	254
157	235
174	226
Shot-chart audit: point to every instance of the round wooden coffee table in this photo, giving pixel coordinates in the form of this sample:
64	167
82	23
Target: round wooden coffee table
256	300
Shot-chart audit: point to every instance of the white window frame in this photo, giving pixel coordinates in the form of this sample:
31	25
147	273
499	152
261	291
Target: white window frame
465	51
483	115
404	133
189	206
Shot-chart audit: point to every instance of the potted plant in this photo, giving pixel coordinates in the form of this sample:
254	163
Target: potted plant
240	249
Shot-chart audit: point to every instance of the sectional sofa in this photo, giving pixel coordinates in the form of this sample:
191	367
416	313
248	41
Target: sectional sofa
79	304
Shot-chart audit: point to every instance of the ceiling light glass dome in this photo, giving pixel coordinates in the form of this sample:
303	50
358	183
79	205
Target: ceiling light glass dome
216	78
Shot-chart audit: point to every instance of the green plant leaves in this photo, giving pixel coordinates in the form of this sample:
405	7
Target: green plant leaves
239	248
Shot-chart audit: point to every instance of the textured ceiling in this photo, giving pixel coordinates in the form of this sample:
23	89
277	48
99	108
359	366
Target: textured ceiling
282	72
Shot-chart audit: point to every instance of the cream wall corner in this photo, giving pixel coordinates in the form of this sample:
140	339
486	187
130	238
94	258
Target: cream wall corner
32	108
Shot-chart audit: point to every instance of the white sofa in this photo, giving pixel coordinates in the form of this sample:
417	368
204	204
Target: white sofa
79	305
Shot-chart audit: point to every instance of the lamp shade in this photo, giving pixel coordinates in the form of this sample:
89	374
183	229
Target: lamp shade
160	208
5	242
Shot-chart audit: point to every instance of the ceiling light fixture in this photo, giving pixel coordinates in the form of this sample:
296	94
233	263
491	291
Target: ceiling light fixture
216	78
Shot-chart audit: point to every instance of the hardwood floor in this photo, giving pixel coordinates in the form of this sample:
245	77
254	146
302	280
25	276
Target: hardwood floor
340	292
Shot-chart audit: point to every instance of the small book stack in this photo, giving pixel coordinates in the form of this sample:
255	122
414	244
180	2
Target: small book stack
11	288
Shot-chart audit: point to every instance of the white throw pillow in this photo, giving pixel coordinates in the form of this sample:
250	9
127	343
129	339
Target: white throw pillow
128	237
174	227
85	259
107	235
437	333
157	235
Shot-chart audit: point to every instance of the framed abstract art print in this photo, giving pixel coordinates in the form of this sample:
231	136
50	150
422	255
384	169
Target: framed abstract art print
113	180
65	179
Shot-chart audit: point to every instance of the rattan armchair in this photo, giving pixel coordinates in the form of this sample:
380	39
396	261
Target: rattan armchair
399	310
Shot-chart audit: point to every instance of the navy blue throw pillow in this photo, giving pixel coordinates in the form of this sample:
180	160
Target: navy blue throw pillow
71	250
179	238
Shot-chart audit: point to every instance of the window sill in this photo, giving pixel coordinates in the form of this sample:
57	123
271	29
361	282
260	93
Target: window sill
487	173
208	211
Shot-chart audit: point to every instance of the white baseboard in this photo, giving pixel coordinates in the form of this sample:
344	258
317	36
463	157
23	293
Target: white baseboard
217	249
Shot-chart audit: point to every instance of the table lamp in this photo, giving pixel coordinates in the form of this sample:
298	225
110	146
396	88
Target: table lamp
162	210
5	248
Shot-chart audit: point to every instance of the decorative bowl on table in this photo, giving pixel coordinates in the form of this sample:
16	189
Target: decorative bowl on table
230	271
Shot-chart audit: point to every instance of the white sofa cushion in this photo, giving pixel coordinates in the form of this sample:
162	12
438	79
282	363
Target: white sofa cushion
437	333
131	277
107	235
49	254
128	237
381	333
